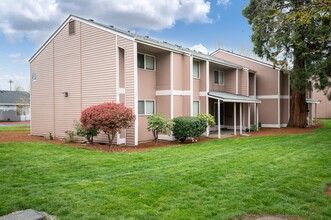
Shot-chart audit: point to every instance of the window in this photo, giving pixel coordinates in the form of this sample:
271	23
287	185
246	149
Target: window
218	77
196	69
146	107
71	27
196	108
146	62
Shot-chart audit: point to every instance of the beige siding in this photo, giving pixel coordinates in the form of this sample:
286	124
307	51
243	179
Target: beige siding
163	71
243	79
196	89
67	79
284	111
229	84
163	105
144	134
324	108
98	66
129	56
283	84
42	93
251	84
146	84
268	111
181	72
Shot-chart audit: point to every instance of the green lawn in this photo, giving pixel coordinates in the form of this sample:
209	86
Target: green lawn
14	128
220	179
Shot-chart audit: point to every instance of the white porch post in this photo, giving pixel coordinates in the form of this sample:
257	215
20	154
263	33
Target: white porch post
235	118
257	117
219	119
241	118
315	111
207	90
249	117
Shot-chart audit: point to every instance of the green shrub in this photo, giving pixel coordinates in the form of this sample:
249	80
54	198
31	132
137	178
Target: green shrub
88	133
210	119
70	136
158	124
187	126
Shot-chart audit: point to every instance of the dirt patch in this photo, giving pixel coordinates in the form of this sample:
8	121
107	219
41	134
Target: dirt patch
24	136
269	217
328	190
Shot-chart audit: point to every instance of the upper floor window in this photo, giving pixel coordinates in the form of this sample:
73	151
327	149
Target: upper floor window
146	107
218	77
196	69
71	27
146	62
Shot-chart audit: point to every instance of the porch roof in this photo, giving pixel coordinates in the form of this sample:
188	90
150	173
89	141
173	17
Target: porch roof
229	97
313	101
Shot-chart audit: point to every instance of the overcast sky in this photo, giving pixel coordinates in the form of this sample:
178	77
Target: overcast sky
199	24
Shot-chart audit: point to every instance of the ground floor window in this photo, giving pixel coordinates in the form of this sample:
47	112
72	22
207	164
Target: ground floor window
146	107
196	108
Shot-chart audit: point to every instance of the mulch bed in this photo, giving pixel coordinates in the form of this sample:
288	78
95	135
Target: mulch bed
24	136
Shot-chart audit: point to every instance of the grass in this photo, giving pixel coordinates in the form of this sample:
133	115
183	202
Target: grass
14	128
221	179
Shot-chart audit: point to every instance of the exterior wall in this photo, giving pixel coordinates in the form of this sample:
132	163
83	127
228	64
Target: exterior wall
130	84
163	71
324	108
243	82
268	112
251	84
229	84
42	93
67	78
266	88
84	65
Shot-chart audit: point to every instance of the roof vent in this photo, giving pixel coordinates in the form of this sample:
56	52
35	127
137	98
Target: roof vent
111	26
147	36
165	42
91	20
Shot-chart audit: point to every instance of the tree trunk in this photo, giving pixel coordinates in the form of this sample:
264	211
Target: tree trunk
298	112
110	140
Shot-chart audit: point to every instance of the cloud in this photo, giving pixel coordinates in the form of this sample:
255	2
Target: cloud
37	19
199	48
223	2
15	56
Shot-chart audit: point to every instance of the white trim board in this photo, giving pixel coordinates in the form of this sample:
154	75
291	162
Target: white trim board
272	125
271	97
173	92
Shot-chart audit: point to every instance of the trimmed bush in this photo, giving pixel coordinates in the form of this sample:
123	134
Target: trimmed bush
187	126
158	124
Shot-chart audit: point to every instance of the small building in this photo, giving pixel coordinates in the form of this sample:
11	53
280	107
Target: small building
14	106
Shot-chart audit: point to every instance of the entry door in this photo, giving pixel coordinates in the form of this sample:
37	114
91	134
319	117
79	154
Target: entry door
217	114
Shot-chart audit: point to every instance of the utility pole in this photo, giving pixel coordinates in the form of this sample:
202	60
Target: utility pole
10	82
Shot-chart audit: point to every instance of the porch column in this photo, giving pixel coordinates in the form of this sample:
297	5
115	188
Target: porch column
315	111
219	119
235	118
241	118
257	117
249	117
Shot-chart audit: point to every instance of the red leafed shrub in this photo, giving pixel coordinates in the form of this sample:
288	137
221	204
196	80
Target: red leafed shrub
108	117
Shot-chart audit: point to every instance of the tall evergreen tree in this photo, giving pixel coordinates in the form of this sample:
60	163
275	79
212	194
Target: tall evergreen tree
295	35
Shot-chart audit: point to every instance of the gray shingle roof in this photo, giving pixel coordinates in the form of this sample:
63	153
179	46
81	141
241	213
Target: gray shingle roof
14	97
229	97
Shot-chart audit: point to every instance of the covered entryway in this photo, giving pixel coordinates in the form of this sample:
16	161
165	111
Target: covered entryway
229	109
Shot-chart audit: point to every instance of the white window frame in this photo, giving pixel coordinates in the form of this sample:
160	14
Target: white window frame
198	101
198	69
154	57
220	73
145	101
